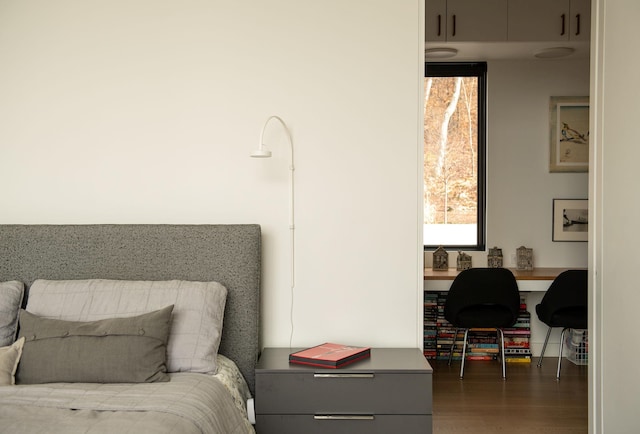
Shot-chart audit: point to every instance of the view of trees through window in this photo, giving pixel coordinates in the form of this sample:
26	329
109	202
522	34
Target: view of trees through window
453	175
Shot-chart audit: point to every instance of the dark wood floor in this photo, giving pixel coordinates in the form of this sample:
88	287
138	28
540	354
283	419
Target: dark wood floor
530	400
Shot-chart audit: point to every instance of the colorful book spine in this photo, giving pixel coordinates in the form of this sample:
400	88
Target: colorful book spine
483	344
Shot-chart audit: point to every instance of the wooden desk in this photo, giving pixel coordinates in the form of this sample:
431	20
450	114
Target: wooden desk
535	274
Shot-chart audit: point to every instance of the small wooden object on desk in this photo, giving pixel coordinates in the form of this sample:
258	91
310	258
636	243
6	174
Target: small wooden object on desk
494	258
440	259
386	393
463	262
525	258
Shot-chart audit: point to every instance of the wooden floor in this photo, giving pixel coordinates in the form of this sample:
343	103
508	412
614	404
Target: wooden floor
530	400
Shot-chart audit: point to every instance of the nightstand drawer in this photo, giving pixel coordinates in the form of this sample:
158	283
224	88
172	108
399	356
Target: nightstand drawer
310	424
348	392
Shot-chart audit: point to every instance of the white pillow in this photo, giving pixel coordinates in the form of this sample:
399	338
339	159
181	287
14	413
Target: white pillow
11	294
197	318
9	359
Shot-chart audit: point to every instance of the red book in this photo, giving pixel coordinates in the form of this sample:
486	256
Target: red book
330	355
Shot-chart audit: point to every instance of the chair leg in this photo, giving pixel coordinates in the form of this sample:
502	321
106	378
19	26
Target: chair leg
453	346
464	352
544	347
504	370
560	355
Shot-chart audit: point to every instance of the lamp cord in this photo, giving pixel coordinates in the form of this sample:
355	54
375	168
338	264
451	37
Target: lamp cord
292	230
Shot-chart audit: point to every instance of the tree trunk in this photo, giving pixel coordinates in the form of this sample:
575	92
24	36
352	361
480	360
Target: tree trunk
444	130
471	124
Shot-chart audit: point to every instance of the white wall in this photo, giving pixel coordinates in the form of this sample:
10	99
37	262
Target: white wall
615	211
520	187
146	112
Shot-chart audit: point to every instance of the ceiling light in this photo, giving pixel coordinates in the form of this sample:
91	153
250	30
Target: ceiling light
553	53
440	53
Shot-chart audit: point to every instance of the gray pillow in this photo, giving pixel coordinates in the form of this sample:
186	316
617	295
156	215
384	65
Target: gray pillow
11	294
115	350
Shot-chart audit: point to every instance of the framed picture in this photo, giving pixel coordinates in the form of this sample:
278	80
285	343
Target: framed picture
569	122
570	219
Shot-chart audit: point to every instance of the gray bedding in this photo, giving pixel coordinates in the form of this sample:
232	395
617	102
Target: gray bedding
189	403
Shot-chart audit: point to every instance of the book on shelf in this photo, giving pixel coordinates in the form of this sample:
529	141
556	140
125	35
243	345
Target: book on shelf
474	357
330	355
518	359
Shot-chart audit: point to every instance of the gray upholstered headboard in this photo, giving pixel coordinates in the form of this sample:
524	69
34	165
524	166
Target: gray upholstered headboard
229	254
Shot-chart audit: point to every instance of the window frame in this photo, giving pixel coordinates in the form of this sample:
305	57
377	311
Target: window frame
479	70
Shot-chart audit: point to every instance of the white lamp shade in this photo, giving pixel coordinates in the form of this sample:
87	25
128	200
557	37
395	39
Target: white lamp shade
261	153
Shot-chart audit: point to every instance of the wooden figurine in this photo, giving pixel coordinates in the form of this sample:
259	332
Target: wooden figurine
494	259
440	259
525	258
463	262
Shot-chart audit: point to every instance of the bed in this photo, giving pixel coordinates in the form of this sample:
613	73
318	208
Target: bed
128	328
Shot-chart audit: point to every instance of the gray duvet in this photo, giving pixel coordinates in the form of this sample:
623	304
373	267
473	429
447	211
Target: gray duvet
189	403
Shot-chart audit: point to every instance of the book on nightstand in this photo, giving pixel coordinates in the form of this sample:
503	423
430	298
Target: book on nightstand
330	355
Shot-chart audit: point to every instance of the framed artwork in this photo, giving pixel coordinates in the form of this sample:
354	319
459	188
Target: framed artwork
569	122
570	219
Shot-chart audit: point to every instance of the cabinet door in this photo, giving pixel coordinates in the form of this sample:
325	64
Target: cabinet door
435	20
539	20
580	20
476	20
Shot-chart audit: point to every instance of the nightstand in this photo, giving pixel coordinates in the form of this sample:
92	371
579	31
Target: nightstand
386	393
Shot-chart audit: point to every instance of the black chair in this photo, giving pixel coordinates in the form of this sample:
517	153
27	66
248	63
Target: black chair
482	298
564	305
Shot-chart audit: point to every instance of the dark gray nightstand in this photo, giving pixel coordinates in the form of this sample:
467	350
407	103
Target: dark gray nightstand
387	393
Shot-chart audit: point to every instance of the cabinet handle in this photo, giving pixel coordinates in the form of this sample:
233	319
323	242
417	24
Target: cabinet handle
453	31
439	25
577	24
343	417
563	24
343	375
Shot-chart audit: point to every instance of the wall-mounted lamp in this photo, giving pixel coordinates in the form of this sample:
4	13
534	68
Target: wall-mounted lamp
263	152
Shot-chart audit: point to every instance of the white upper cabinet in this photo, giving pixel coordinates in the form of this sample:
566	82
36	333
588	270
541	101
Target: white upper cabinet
466	20
580	20
549	20
507	20
435	20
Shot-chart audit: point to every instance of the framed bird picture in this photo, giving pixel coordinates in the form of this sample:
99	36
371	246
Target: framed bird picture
569	121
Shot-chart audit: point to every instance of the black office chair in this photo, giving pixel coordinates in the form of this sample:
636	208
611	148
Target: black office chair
564	305
482	298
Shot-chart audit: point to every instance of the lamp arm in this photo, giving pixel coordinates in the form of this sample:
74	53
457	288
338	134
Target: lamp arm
291	165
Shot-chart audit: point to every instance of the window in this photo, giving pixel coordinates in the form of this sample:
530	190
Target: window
454	155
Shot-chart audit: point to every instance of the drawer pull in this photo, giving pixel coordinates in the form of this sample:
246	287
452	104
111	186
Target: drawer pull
343	417
343	375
